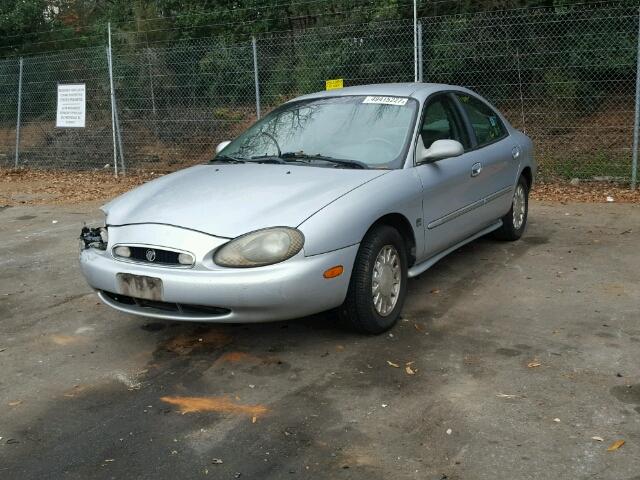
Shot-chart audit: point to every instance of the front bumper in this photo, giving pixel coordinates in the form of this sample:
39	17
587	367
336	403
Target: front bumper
291	289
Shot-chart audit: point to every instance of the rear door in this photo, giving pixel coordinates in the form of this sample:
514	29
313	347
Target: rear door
495	157
449	194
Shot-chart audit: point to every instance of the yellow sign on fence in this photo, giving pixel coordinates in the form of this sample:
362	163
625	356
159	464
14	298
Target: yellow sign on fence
334	84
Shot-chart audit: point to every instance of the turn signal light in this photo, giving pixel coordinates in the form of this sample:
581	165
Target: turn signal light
185	259
122	251
333	272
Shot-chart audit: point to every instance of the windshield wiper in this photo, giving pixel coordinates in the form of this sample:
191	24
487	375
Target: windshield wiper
324	158
227	159
276	159
267	159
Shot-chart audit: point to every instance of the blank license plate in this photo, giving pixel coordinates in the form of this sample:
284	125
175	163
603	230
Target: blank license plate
139	286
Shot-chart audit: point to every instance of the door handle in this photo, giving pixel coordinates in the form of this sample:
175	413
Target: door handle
476	169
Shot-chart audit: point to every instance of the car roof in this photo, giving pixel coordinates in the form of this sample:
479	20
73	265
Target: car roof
417	90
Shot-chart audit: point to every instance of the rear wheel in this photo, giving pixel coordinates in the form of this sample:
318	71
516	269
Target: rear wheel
378	283
515	221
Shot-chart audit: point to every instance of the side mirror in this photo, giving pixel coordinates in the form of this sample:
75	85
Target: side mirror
439	150
221	146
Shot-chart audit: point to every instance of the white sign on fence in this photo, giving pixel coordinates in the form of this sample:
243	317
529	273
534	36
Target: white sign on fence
71	105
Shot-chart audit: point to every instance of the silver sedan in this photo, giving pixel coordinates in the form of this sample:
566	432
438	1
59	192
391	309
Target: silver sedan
332	200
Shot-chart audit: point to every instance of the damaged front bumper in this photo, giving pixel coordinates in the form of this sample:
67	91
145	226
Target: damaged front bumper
207	292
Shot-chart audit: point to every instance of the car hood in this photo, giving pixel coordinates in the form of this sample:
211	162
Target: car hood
229	200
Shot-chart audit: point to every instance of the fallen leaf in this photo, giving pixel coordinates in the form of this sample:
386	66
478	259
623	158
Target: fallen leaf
418	327
394	365
409	370
597	439
615	445
534	364
214	404
15	404
410	363
64	340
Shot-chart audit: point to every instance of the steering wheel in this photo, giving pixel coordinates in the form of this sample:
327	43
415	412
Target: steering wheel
384	143
388	143
273	139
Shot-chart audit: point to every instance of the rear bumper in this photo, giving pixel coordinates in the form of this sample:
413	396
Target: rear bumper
291	289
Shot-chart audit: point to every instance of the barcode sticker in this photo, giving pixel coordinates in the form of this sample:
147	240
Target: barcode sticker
399	101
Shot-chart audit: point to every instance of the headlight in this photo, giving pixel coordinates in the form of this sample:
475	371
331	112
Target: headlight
260	248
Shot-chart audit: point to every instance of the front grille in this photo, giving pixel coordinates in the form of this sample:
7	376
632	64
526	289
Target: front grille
178	308
163	257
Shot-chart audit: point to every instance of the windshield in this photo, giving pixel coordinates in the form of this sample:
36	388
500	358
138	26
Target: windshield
360	131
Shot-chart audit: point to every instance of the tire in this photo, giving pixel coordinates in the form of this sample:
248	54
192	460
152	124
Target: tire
513	226
359	311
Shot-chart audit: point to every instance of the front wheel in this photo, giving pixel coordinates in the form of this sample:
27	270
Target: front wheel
378	283
515	221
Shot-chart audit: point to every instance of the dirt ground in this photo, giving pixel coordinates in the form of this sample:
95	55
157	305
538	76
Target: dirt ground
512	361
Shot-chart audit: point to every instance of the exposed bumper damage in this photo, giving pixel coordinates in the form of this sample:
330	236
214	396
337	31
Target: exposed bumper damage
94	238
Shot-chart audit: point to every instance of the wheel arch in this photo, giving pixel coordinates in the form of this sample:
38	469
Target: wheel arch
403	226
528	175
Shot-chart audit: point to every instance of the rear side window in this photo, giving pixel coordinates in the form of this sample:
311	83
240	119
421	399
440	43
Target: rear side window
485	122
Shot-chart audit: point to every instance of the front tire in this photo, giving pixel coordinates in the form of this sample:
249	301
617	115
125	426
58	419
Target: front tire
514	222
378	283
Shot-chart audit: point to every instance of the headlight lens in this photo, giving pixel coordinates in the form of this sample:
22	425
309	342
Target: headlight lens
260	248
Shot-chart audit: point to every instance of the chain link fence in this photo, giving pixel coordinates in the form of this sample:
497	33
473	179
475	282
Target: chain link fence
566	76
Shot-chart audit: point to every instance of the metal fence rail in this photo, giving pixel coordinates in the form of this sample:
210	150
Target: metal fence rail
567	76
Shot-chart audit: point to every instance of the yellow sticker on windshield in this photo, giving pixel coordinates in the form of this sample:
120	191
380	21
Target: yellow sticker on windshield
334	84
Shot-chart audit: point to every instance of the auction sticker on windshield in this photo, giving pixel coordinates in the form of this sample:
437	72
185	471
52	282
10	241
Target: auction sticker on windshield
386	100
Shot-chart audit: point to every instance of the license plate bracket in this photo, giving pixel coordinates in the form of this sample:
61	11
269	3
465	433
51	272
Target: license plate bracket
140	286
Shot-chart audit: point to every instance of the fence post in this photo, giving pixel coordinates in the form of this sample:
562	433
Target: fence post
113	103
19	114
114	108
255	74
524	125
415	41
636	124
420	73
153	96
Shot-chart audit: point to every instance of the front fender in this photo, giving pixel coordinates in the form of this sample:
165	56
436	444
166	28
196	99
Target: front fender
345	221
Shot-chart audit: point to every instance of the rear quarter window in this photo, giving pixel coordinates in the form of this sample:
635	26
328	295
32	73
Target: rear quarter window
485	122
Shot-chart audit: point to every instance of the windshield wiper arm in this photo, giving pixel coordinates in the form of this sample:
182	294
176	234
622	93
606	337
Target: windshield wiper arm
276	159
324	158
226	159
267	159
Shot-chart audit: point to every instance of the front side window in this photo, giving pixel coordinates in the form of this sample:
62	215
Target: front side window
485	122
441	123
373	131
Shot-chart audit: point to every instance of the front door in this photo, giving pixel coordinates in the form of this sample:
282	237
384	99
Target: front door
450	195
